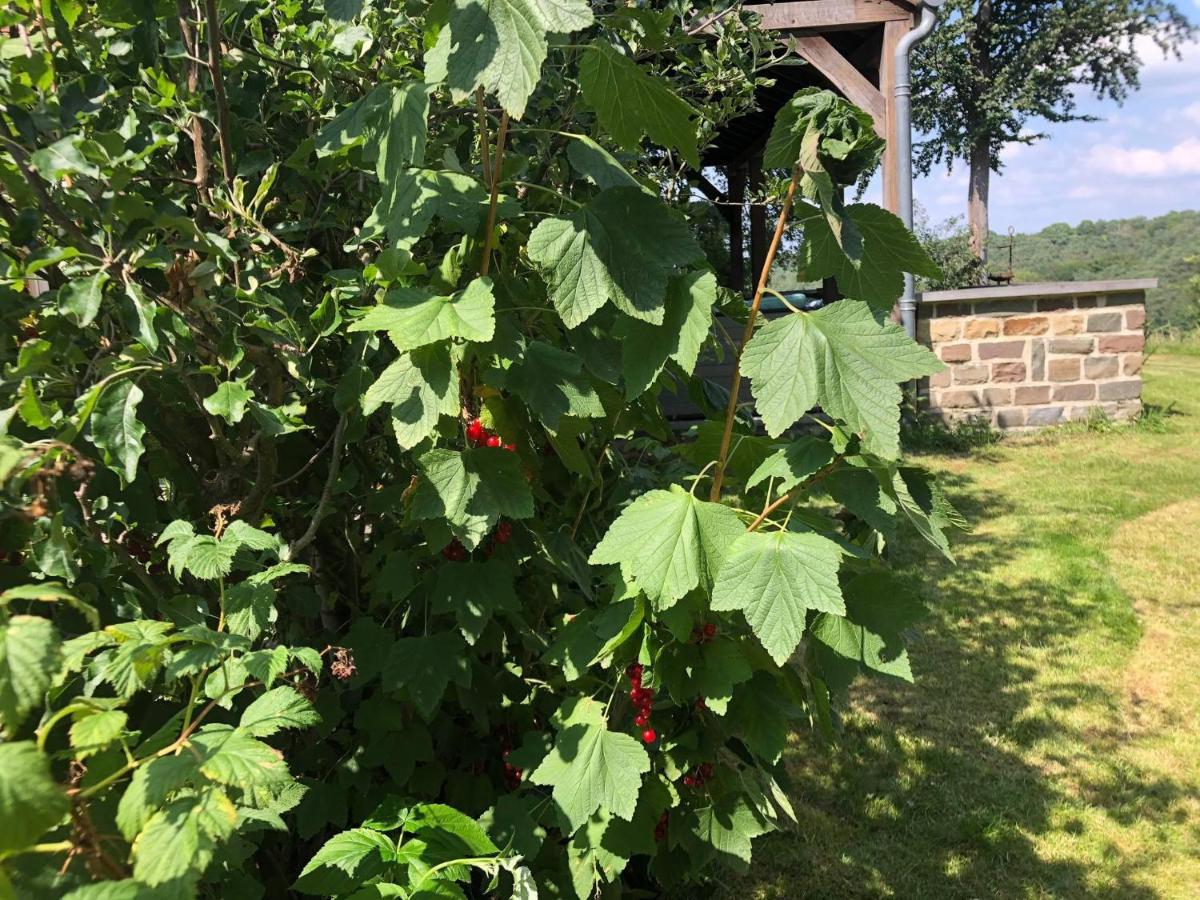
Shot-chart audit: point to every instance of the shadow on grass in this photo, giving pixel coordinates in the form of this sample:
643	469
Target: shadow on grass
933	790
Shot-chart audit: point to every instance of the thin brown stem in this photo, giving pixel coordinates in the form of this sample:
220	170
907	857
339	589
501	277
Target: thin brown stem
736	381
809	482
326	494
199	150
214	68
485	150
497	165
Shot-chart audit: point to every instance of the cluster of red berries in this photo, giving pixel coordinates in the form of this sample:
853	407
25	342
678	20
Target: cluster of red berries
643	701
702	634
478	436
456	552
698	776
512	775
660	830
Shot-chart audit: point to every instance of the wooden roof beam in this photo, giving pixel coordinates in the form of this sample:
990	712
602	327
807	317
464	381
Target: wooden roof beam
854	86
829	14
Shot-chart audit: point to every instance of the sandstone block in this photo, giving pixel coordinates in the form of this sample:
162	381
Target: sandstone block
1064	369
1067	324
940	380
1026	325
981	328
1046	415
957	399
1106	321
1031	396
1075	392
1071	345
998	396
1131	363
1010	418
1002	350
955	353
1135	319
1008	372
1121	390
1122	343
1100	367
945	330
970	374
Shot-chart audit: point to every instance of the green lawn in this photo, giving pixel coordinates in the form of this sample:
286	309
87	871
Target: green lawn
1051	744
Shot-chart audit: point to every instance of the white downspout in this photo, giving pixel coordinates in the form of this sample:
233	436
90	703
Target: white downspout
903	141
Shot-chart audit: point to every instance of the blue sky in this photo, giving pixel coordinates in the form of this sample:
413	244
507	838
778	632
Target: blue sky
1142	159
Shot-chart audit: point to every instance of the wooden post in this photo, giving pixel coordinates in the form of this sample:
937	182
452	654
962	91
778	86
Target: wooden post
892	33
758	217
736	176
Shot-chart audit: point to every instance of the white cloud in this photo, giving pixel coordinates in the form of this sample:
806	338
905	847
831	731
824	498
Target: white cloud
1155	62
1192	112
1147	162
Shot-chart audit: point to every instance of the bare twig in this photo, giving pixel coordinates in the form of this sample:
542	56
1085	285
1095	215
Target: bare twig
485	151
736	381
497	165
199	150
310	533
214	68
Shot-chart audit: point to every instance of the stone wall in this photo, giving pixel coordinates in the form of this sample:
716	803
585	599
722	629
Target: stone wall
1027	356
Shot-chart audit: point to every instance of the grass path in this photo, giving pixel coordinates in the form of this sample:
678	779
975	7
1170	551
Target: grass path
1051	745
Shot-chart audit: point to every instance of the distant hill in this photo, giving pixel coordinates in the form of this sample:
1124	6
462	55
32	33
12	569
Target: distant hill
1121	248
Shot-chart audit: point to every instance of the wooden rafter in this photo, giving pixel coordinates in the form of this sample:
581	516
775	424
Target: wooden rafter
825	58
826	15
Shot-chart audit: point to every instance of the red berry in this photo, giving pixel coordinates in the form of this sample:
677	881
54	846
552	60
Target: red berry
635	681
634	670
503	532
641	719
647	696
493	441
475	431
649	736
511	448
710	631
636	695
689	780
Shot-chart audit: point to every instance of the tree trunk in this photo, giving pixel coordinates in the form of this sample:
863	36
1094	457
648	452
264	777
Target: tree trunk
977	199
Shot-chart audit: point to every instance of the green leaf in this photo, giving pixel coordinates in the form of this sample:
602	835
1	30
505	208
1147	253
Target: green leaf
267	665
592	768
423	667
79	299
471	491
356	123
249	608
645	348
30	656
414	318
630	102
229	401
235	758
501	45
276	710
763	716
669	543
152	783
345	861
30	801
420	386
96	730
724	829
598	165
775	578
793	464
472	592
877	274
63	157
878	612
177	843
622	247
402	131
413	198
553	385
841	358
204	556
116	430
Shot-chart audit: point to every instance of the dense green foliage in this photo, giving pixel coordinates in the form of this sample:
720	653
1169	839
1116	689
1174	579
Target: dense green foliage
1164	247
347	551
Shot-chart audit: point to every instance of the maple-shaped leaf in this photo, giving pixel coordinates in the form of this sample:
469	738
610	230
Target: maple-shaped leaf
669	543
501	45
775	578
471	491
631	103
622	247
552	384
472	592
870	634
793	464
414	318
423	668
420	386
592	768
876	274
645	348
841	358
724	828
412	198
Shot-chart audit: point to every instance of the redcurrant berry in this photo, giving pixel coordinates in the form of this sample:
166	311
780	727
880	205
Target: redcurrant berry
634	669
476	432
710	631
493	441
641	720
503	532
649	736
636	695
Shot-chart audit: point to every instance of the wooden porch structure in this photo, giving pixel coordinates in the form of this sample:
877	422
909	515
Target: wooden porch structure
849	46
